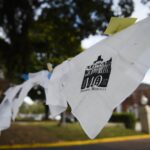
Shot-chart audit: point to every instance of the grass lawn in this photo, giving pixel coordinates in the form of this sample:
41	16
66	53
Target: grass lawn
71	132
46	132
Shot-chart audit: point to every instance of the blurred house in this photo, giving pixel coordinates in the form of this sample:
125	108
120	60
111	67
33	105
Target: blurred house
133	102
135	97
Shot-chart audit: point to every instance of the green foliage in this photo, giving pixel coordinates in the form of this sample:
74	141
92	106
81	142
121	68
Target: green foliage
56	45
36	108
127	118
37	64
56	32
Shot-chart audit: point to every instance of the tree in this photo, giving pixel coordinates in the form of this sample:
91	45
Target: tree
63	24
55	33
16	16
147	3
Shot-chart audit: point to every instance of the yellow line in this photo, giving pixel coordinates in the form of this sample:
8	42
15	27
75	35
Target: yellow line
76	143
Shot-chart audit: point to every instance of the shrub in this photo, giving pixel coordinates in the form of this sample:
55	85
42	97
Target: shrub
127	118
36	108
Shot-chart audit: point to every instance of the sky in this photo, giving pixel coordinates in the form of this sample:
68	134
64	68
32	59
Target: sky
141	11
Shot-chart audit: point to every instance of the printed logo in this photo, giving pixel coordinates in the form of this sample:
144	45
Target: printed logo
96	76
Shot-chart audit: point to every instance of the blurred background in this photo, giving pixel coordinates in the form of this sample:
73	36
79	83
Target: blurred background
34	32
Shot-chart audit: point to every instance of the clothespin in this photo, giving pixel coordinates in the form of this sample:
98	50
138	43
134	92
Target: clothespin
49	66
50	69
117	24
